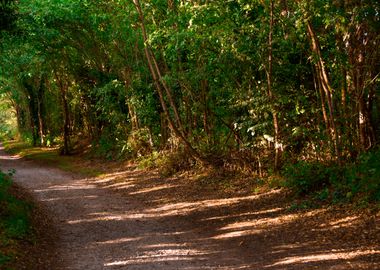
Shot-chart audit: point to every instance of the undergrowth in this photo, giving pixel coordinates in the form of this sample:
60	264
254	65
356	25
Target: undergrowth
168	163
15	222
320	182
357	182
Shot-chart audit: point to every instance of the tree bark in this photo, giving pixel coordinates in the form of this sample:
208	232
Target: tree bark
276	128
66	115
318	87
204	86
362	54
33	111
325	85
40	105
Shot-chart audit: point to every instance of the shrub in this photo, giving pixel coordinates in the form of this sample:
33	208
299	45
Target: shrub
364	176
174	162
168	163
358	181
140	142
307	177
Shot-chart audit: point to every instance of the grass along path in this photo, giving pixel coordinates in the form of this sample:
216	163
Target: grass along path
26	234
51	157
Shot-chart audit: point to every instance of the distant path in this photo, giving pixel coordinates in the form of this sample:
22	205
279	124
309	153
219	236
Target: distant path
146	224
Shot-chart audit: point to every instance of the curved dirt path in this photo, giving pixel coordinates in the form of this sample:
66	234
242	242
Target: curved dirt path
133	220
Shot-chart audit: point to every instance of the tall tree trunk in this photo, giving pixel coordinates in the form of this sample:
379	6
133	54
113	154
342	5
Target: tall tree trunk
40	105
66	115
362	56
318	87
164	129
366	140
276	128
206	126
133	116
33	120
33	111
321	73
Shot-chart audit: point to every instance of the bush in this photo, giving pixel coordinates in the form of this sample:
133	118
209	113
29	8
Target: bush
168	163
364	177
358	181
140	142
308	177
174	162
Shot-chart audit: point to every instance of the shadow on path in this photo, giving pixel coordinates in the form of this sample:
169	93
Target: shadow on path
135	220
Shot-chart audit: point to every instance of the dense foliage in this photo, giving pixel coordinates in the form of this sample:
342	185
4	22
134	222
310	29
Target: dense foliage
329	182
250	85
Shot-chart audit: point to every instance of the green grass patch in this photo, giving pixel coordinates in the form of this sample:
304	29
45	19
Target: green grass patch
4	259
51	157
15	221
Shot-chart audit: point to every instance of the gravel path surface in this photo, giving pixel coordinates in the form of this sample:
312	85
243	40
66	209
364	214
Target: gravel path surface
130	220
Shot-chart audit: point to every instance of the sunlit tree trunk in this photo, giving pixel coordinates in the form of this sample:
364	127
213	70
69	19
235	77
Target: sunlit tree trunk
318	87
324	82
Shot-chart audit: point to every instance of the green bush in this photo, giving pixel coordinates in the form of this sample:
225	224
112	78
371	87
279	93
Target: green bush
364	177
358	181
307	177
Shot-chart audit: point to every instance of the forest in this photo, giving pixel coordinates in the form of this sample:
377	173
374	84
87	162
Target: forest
260	87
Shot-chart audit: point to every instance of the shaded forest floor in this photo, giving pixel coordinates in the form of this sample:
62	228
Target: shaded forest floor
119	217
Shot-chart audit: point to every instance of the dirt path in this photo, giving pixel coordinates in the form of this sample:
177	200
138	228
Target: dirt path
133	220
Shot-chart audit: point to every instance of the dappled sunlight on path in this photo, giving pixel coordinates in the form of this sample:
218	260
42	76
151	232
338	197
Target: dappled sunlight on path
331	255
135	220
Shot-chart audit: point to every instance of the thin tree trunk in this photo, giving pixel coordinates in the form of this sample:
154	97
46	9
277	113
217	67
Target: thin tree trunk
326	86
133	116
206	126
270	91
318	87
363	60
164	129
33	122
168	94
40	112
131	108
161	87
